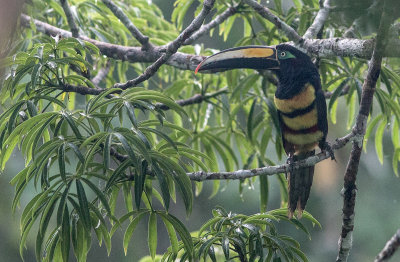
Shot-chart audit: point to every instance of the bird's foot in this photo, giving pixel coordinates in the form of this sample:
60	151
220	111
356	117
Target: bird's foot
327	148
290	163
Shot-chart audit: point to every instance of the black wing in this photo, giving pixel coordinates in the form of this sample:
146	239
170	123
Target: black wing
322	119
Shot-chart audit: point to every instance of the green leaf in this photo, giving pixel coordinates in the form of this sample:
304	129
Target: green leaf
182	231
278	6
65	235
99	194
351	110
131	227
264	192
337	92
395	161
172	235
395	133
152	234
140	178
371	126
84	213
225	247
379	140
162	180
250	117
131	113
67	116
126	146
61	161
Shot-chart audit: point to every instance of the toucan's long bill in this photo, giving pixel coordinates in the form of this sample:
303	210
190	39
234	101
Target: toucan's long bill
253	57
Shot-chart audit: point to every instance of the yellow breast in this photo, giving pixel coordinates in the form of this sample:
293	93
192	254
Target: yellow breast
299	101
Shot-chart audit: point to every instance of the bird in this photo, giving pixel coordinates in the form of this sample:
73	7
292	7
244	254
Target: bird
300	103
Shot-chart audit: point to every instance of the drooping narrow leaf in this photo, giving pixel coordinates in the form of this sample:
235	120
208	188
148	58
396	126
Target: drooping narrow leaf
379	139
131	227
83	205
182	231
61	161
172	235
264	192
152	234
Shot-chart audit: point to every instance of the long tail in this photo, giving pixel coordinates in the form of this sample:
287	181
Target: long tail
299	183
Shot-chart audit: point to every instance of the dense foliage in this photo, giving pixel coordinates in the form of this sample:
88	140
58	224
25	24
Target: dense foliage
82	152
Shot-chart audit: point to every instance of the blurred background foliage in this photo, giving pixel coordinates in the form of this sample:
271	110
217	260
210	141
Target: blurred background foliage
66	140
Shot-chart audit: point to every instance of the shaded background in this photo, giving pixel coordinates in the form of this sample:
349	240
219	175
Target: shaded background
378	199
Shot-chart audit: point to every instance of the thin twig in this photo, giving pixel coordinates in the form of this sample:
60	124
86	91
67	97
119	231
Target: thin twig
345	91
391	246
196	99
349	187
319	21
101	74
171	48
219	19
119	13
70	18
267	14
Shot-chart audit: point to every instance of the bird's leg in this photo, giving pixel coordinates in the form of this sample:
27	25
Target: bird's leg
326	147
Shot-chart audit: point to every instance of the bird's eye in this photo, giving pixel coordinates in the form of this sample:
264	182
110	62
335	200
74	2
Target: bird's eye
283	54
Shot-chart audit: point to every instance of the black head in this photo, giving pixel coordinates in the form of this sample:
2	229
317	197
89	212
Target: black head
295	70
293	67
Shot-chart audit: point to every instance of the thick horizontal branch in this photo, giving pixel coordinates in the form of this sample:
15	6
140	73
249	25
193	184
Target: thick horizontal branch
124	53
271	170
331	47
391	246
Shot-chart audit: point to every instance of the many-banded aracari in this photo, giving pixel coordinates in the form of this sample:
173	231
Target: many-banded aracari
300	103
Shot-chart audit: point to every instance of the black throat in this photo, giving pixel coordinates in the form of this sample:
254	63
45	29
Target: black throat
293	77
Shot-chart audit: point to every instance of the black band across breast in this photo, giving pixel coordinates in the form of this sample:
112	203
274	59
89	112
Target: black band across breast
299	112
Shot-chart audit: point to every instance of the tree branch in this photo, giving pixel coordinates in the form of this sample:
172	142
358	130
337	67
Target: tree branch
331	47
319	21
349	188
143	40
124	53
70	18
101	74
264	12
219	19
272	170
171	47
345	91
391	246
267	170
196	99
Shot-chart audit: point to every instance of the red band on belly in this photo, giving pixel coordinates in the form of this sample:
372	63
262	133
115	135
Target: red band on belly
309	130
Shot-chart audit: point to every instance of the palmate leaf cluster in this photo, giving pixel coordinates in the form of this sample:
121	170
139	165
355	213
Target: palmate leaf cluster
69	152
83	152
230	237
